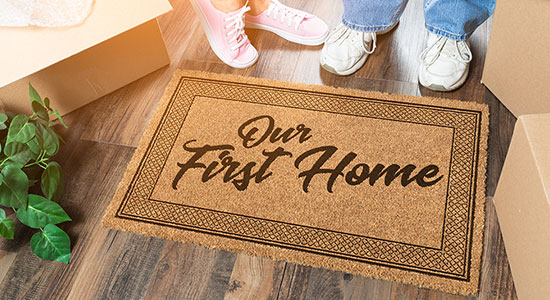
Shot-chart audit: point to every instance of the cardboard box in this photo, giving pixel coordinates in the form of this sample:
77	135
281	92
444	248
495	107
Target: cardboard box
522	201
517	65
119	42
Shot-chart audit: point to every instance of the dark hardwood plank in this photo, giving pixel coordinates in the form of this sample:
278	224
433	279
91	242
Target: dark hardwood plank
120	266
6	260
84	199
29	277
106	263
501	127
496	279
356	288
324	284
218	279
294	282
255	278
21	233
187	271
330	285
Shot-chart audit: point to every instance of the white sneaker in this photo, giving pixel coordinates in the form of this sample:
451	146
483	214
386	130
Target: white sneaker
444	64
346	50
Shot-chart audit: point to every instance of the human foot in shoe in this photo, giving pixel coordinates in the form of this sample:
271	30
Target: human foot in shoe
291	24
225	33
444	64
346	50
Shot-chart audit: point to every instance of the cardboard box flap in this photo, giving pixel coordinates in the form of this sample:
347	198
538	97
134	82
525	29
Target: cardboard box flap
26	50
537	130
521	201
517	65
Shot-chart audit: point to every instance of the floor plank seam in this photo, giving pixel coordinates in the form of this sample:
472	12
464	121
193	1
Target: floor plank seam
108	143
282	279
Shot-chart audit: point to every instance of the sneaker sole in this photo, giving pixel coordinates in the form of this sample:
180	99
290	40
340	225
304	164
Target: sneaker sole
347	72
210	37
314	41
358	64
440	88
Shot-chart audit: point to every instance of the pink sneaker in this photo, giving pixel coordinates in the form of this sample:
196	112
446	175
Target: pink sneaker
292	24
225	33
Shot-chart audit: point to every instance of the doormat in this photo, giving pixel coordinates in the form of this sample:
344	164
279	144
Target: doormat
386	186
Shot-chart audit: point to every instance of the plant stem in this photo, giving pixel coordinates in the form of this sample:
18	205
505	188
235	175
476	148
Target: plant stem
39	161
41	156
32	164
3	161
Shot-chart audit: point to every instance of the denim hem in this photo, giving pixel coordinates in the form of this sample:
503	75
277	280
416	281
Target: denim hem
364	28
447	34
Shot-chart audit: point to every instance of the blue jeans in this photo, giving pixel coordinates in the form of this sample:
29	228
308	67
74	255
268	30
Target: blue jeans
454	19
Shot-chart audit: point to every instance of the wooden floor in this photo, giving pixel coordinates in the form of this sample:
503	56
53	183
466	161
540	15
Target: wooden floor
110	264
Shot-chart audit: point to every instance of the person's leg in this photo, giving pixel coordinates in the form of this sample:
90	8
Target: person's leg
223	24
456	19
258	6
349	44
445	62
227	6
372	15
291	24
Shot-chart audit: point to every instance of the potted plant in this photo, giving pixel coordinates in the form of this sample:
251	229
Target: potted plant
30	181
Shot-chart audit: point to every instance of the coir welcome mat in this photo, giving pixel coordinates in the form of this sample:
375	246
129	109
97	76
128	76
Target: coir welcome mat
381	185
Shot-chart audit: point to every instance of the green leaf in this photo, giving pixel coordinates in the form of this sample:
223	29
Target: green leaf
6	225
26	134
52	181
49	139
20	130
3	119
7	228
60	119
11	163
14	187
41	212
35	146
52	244
40	111
34	95
16	125
18	153
47	103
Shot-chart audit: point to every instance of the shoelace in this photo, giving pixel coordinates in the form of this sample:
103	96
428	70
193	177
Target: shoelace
342	33
464	53
237	23
286	12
